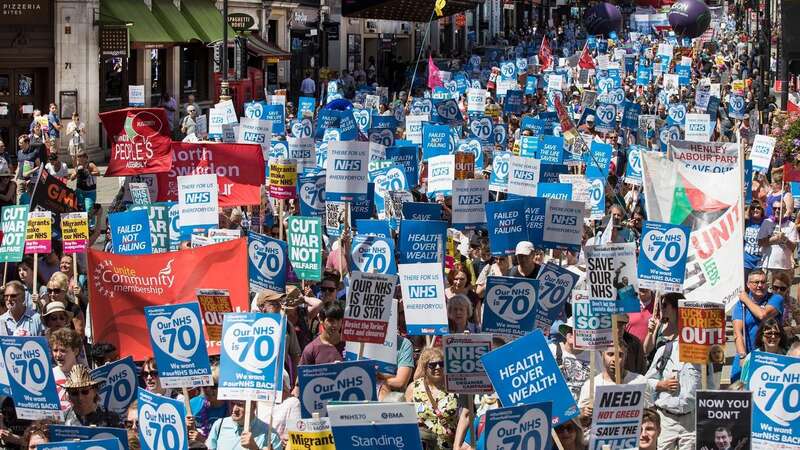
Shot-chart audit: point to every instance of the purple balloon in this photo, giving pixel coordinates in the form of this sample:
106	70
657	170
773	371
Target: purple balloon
689	18
602	18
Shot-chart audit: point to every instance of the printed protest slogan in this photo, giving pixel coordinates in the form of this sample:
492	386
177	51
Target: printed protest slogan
214	303
463	369
350	381
611	277
75	232
140	141
616	416
592	330
304	237
527	424
14	226
702	326
311	434
775	384
283	179
725	417
369	299
38	237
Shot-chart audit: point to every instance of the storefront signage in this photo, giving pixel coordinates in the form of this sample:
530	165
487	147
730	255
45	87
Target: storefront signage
241	21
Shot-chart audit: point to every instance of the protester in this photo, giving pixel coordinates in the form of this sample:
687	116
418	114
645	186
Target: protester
460	285
36	434
228	432
770	338
651	429
436	409
84	409
328	347
526	265
17	321
66	345
754	306
574	363
459	313
778	239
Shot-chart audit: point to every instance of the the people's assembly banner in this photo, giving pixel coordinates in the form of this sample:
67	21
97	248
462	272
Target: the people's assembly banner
239	168
140	141
121	286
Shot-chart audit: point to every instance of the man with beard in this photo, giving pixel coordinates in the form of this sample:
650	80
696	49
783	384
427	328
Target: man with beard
574	363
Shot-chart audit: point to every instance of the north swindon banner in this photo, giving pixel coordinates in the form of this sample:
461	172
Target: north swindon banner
121	286
710	204
140	141
239	168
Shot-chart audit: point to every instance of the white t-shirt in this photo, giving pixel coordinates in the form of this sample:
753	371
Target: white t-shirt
777	256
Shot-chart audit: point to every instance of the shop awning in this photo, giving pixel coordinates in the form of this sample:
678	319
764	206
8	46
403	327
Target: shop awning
174	22
271	52
206	19
144	29
404	10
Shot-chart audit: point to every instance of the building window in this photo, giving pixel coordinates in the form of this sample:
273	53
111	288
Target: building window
194	72
113	78
158	74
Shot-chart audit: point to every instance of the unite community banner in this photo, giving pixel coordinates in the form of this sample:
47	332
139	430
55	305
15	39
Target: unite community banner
239	168
121	286
710	205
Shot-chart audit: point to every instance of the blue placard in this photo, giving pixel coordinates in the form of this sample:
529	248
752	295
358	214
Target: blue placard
266	262
30	376
92	444
558	191
302	128
775	382
643	75
530	85
362	209
421	106
506	223
436	140
510	306
375	426
481	128
555	289
351	381
119	388
737	107
422	211
713	108
528	425
548	173
684	74
529	146
311	192
606	117
508	69
179	345
326	119
375	227
347	125
535	208
251	356
676	114
373	253
384	122
67	433
406	156
498	179
525	371
383	136
500	132
475	147
448	112
597	160
422	241
130	232
597	198
306	104
277	115
633	170
537	126
513	102
385	180
551	149
162	422
662	256
630	115
363	119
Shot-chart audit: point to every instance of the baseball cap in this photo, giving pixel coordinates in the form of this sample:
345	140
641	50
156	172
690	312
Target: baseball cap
567	326
590	118
524	248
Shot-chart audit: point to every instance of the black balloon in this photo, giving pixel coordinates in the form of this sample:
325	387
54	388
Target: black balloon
602	18
689	18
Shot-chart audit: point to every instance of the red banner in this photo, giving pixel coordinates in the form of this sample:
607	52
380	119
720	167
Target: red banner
140	139
240	170
122	285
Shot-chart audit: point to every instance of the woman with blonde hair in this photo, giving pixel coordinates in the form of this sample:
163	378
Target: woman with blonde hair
58	290
437	410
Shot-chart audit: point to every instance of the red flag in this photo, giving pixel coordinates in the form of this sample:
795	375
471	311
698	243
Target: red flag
791	172
586	61
122	285
545	55
239	167
434	79
140	139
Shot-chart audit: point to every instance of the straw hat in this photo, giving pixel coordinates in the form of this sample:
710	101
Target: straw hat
79	377
291	299
54	307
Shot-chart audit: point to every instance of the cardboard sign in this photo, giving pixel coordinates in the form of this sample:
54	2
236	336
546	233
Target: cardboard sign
611	278
346	174
724	416
774	384
92	444
267	262
761	152
162	422
60	433
304	237
523	175
347	381
251	360
178	343
14	226
30	376
371	253
423	298
119	381
198	201
140	193
506	224
698	127
469	200
283	179
39	235
616	416
214	303
74	232
130	232
383	355
509	308
525	371
463	369
592	331
378	426
311	434
369	298
702	326
528	425
554	290
662	256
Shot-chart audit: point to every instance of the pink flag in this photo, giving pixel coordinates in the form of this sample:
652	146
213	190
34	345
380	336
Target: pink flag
434	80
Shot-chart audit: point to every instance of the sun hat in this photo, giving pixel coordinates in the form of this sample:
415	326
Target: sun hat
80	377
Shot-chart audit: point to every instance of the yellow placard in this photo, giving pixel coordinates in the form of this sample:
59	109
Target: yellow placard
39	228
74	227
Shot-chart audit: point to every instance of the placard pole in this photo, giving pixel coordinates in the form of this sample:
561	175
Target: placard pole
74	270
557	440
36	278
615	335
704	376
278	369
248	405
186	404
472	430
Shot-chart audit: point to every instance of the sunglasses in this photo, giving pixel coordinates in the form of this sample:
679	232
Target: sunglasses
149	373
54	291
567	429
81	392
131	424
60	318
435	365
771	334
779	288
328	289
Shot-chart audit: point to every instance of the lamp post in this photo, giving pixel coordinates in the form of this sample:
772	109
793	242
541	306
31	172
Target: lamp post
224	88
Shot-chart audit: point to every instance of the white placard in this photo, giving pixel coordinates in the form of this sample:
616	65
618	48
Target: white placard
197	200
523	175
136	95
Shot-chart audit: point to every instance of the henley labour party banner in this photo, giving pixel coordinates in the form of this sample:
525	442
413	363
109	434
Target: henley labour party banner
140	141
122	285
239	168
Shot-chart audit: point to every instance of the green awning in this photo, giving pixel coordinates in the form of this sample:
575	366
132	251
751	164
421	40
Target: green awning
206	19
174	21
145	27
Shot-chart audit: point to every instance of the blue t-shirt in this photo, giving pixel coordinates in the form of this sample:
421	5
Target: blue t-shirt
752	251
53	120
741	312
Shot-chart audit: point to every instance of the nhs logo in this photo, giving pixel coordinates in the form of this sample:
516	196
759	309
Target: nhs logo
423	291
193	198
466	200
562	219
525	175
349	165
